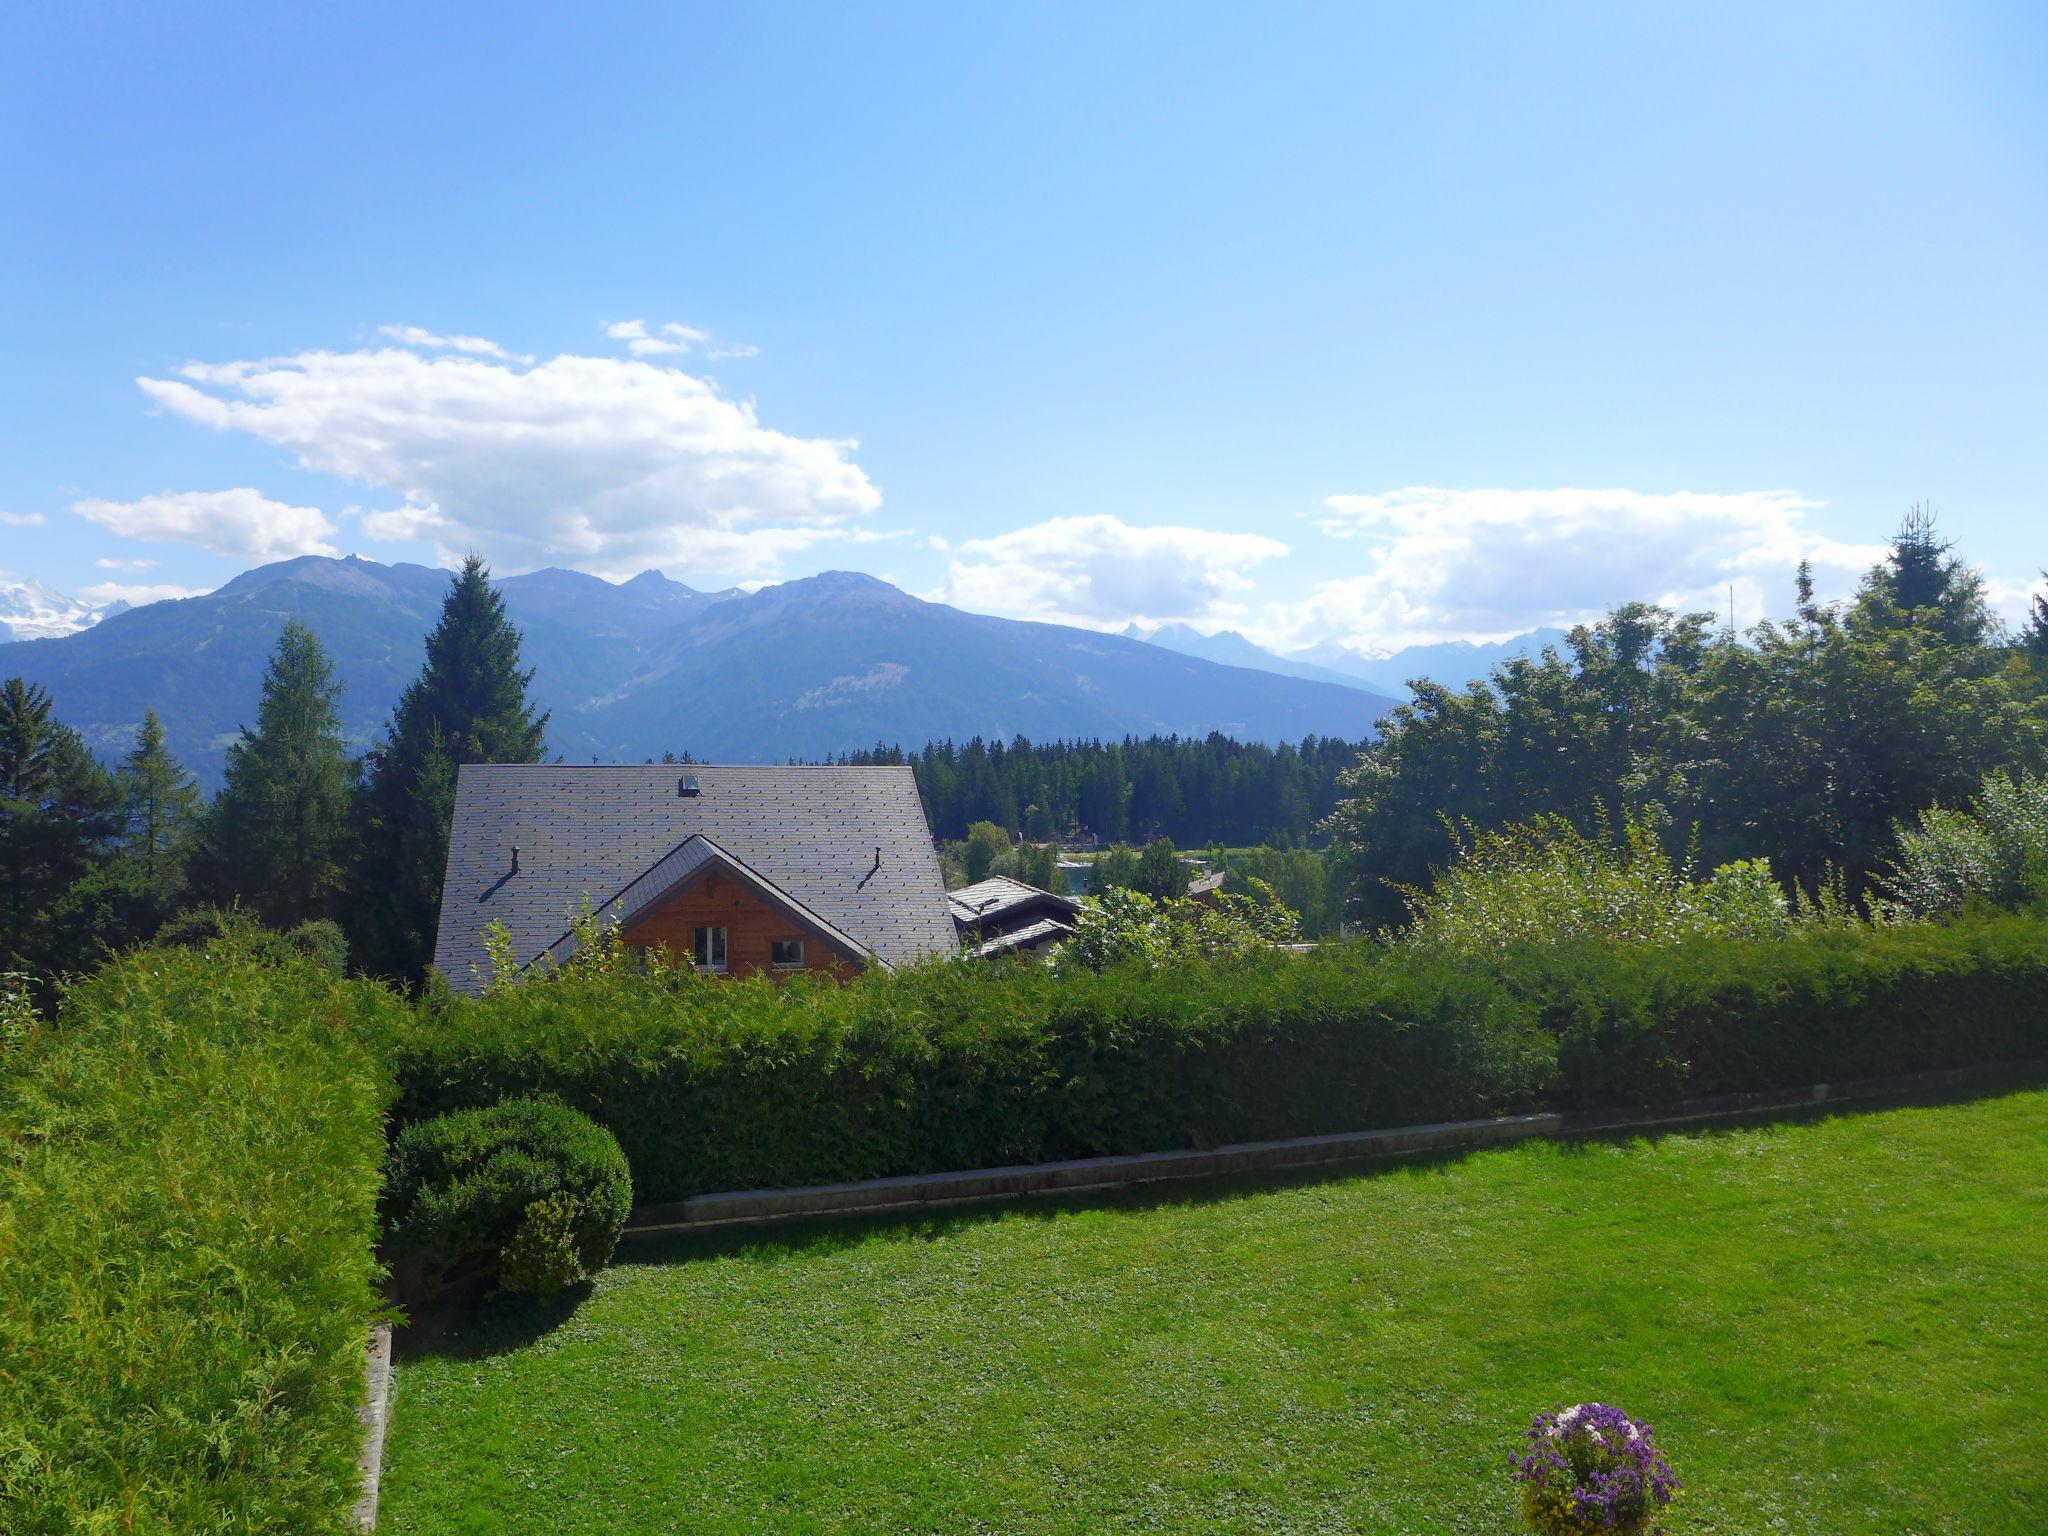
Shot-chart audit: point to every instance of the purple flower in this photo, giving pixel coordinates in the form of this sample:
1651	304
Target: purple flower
1591	1468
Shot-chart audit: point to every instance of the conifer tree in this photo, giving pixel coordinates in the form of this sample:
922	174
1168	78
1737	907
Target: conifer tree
2034	634
163	806
277	836
468	705
59	818
126	901
1923	583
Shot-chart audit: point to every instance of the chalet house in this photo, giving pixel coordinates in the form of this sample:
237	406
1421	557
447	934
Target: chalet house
741	870
1001	916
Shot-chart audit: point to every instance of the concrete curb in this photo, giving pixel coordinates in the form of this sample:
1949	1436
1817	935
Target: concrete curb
912	1191
374	1414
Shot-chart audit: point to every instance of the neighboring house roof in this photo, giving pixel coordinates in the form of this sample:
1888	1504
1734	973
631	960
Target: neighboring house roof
811	834
1046	930
992	901
694	859
1206	885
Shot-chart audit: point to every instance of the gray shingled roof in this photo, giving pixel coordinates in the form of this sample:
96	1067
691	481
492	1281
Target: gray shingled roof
999	896
812	832
1029	937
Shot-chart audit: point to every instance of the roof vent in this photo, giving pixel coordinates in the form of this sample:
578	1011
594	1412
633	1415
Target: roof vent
686	787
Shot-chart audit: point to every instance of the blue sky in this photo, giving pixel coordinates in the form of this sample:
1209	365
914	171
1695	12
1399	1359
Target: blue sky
1325	324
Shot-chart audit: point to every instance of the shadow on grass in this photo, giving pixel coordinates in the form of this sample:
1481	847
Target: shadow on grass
469	1325
470	1328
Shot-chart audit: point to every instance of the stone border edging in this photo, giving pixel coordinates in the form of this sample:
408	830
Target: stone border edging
374	1414
913	1191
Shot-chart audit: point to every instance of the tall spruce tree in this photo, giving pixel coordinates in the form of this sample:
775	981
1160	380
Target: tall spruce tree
468	705
277	836
60	815
163	806
1923	584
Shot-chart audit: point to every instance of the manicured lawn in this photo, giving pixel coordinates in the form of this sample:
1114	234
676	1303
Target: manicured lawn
1836	1326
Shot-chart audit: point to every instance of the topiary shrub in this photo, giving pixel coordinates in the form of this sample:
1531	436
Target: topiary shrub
527	1195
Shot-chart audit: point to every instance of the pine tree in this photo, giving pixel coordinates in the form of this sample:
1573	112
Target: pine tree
277	836
59	817
1923	584
163	806
468	705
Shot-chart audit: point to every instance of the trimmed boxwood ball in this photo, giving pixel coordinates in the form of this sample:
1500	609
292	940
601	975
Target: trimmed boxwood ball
528	1195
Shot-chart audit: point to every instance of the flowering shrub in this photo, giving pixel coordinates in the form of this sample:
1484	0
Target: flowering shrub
1590	1470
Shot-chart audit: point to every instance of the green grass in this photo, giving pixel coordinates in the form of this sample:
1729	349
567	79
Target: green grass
1835	1325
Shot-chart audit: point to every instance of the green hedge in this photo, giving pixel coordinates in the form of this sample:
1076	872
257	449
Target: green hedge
187	1211
747	1084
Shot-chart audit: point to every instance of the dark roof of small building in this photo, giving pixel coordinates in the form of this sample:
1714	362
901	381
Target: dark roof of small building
1030	936
999	899
813	833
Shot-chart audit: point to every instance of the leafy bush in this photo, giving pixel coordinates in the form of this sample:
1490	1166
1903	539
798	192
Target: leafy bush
1546	882
232	930
527	1193
188	1180
1994	852
1128	927
749	1083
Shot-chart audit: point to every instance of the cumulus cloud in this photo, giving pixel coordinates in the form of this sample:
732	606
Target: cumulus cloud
100	593
413	336
106	564
22	519
607	464
241	524
1104	573
1450	564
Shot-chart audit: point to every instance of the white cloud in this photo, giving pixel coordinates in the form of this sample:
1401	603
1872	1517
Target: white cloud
241	524
100	593
607	464
123	565
413	336
674	338
739	349
22	519
1104	573
2014	600
1442	564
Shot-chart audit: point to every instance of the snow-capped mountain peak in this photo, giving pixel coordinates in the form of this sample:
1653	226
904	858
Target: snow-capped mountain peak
35	610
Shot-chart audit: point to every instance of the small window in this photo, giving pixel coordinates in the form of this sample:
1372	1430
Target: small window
708	944
786	954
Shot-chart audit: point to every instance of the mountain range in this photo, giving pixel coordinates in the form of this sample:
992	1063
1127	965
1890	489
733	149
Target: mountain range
1451	662
628	671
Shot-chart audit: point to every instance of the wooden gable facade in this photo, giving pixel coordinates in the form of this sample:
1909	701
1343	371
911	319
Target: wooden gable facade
757	933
